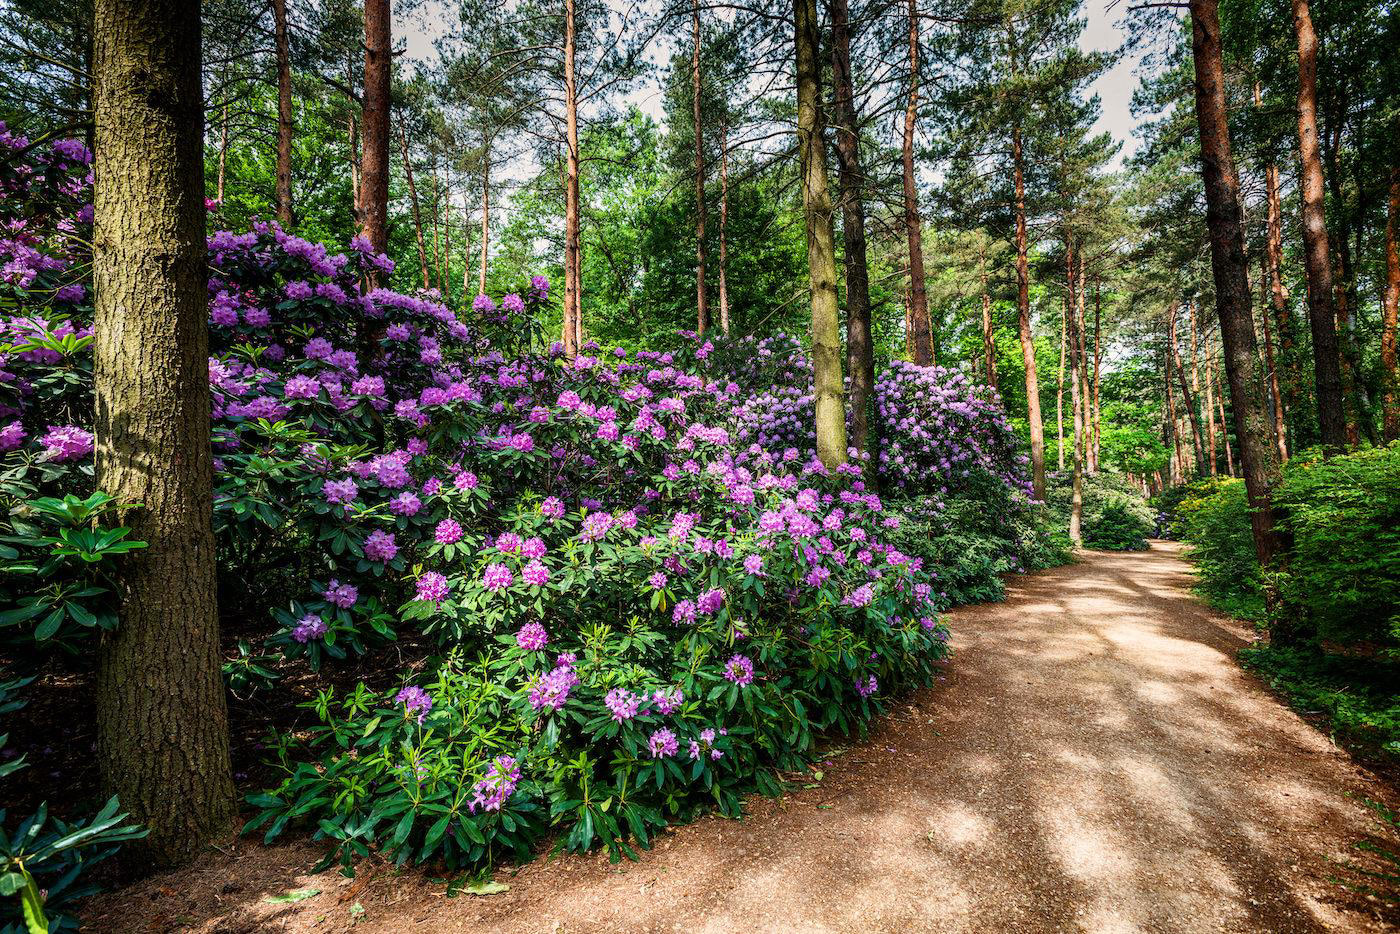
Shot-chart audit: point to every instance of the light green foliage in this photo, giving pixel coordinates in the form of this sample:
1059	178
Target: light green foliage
1116	516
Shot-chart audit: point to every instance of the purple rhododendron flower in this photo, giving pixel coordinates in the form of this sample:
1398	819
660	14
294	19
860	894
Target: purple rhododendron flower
497	577
309	627
739	670
663	743
415	700
532	637
448	532
432	587
67	443
496	787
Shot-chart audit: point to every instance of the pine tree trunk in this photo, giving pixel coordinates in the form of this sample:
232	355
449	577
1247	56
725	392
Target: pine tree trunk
913	224
1083	371
1188	401
1077	400
437	225
1064	358
374	165
989	350
163	744
413	202
572	267
702	305
223	157
1023	320
1390	307
1098	360
1272	363
1225	433
1230	273
821	242
1196	385
284	114
1321	315
860	349
724	228
447	234
485	212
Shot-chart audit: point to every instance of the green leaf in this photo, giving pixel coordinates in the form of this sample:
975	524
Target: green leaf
295	895
485	887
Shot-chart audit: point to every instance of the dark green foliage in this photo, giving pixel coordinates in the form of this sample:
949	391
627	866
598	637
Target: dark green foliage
1116	517
1214	520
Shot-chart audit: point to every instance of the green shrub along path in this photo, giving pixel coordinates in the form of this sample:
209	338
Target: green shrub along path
1094	759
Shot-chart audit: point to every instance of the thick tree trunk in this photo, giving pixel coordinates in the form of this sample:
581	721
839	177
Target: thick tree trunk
724	228
162	725
284	113
485	211
1390	307
913	224
1230	273
374	166
572	267
702	304
1321	315
860	348
821	242
413	203
1023	320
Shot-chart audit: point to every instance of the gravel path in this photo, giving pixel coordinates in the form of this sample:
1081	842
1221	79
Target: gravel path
1094	760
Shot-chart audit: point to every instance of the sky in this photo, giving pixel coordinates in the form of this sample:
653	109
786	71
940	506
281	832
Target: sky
1115	87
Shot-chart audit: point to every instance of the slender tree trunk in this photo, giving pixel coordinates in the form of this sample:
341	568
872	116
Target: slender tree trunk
1188	400
1225	433
162	726
284	113
1390	307
1228	266
356	189
437	225
223	157
572	266
374	170
1272	363
413	202
1174	436
860	349
724	228
485	211
447	233
1098	360
702	305
1292	378
989	350
1023	321
1077	402
821	241
1083	371
1321	315
913	224
1196	385
1210	410
1064	357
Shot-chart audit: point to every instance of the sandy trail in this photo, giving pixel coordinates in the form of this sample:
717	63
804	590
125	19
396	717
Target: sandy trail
1094	760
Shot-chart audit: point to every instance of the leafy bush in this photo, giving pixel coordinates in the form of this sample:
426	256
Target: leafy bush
1115	516
1214	521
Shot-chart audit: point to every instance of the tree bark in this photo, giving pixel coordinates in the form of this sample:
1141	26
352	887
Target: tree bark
284	114
374	165
913	224
1023	320
447	233
1174	436
162	724
702	306
1272	363
223	157
1196	385
572	266
860	349
1077	402
821	242
1321	314
1188	399
1389	308
724	228
1229	271
413	202
1098	360
1064	356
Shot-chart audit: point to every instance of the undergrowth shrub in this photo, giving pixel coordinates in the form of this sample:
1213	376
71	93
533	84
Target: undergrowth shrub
1115	515
1213	519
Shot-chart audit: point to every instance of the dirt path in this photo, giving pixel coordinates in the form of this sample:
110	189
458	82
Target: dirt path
1095	760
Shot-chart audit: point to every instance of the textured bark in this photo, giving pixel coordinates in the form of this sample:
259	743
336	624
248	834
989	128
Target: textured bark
860	348
821	241
702	302
1390	379
724	229
1083	372
1077	401
989	350
913	223
162	724
1230	273
374	164
572	267
283	58
447	235
1224	431
1064	357
437	226
353	139
1023	320
1290	377
413	202
1321	314
223	157
1098	360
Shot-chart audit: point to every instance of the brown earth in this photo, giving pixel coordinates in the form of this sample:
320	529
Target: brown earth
1094	760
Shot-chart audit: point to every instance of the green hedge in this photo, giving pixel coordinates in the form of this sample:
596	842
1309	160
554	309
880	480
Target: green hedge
1116	516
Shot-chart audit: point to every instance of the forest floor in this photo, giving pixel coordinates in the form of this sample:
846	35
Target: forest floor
1094	759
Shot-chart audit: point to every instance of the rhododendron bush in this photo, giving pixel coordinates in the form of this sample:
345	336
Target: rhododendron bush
625	588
